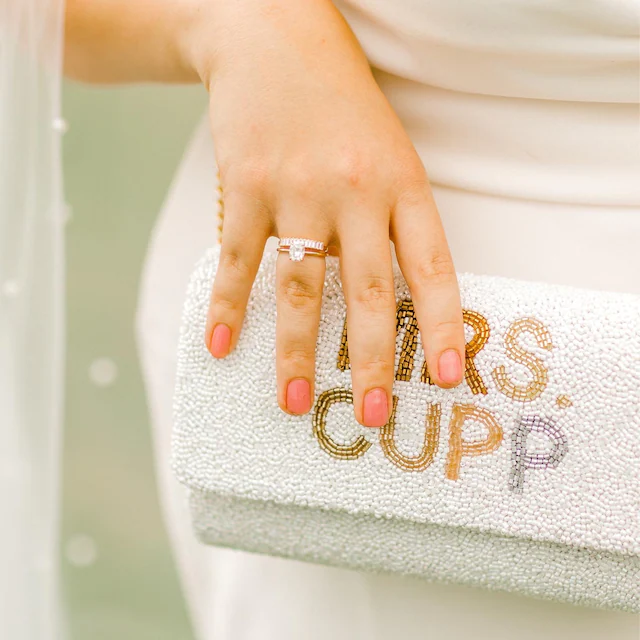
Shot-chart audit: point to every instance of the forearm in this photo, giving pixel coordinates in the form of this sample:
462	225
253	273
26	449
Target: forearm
186	40
129	40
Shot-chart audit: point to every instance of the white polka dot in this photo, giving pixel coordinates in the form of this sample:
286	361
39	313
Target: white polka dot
60	125
81	550
103	372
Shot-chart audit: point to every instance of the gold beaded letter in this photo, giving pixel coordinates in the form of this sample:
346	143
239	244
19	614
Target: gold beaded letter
459	447
515	352
406	318
429	449
343	354
341	451
481	334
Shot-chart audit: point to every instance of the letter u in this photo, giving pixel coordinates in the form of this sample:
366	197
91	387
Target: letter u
429	448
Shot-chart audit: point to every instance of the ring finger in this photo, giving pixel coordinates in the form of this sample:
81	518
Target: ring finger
299	287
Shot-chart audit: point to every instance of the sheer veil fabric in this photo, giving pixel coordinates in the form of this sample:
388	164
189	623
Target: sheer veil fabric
31	317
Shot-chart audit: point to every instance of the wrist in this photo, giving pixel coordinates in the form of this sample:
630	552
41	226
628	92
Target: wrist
218	34
194	42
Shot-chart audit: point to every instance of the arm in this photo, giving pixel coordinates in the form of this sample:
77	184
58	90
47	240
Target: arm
117	41
129	40
307	146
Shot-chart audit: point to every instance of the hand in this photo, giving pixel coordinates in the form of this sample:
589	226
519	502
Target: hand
308	146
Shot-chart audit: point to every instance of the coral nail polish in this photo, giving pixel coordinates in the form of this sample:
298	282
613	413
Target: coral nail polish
376	408
220	341
450	367
298	398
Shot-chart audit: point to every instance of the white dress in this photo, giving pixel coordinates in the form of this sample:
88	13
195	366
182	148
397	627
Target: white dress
525	114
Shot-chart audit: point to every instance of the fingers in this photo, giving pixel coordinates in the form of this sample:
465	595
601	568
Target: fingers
299	299
367	278
240	257
425	261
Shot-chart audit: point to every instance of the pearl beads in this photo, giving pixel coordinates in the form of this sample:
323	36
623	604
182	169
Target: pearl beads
523	478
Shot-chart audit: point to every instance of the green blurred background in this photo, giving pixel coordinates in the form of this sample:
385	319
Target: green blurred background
120	152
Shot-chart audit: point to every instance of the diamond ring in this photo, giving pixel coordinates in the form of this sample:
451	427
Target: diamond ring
298	248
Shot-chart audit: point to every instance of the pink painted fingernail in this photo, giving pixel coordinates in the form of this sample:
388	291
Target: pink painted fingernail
376	408
298	396
450	367
220	341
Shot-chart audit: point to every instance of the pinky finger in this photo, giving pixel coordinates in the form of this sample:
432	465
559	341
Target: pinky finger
425	260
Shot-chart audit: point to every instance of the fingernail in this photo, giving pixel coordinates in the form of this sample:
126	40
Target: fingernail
298	396
220	341
376	408
450	367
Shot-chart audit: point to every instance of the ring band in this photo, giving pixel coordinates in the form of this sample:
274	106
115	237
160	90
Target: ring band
298	248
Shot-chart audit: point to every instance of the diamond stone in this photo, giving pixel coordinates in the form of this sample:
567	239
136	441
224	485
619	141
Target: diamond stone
296	250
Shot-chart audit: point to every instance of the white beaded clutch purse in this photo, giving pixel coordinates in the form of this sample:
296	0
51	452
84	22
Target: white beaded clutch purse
524	478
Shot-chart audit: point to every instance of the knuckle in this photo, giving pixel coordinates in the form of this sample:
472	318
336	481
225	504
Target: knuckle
354	168
375	364
222	305
299	293
448	328
437	269
233	264
376	294
296	356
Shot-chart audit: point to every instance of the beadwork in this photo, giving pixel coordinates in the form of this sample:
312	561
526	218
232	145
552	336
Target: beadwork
431	438
516	353
341	451
554	513
564	402
407	325
523	459
343	363
458	447
406	320
481	334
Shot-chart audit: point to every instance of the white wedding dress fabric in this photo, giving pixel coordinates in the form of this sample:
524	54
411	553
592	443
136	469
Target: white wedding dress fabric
525	114
31	318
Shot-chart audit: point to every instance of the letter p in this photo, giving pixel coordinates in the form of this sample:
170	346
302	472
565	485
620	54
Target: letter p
522	459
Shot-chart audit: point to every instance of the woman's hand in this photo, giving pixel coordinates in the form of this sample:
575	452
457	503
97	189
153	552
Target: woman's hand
308	146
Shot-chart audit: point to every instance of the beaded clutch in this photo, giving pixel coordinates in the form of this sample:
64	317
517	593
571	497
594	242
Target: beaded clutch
524	478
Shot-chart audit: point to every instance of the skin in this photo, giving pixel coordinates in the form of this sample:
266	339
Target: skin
307	146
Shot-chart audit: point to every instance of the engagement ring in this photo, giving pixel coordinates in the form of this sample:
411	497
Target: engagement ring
298	248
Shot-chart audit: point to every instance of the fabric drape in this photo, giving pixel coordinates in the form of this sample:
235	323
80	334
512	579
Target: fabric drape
31	317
